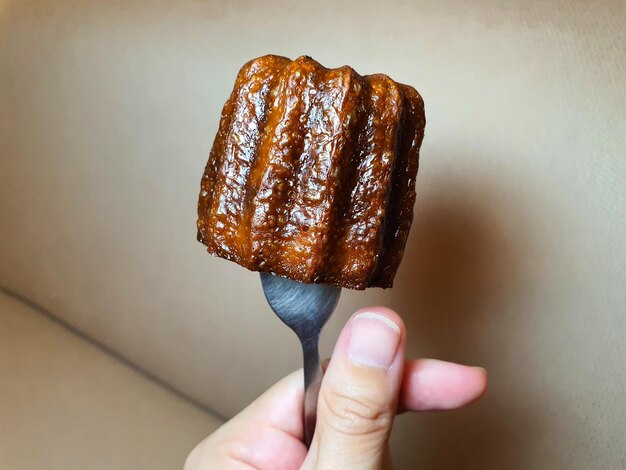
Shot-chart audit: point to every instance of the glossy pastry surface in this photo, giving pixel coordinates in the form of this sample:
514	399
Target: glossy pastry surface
312	173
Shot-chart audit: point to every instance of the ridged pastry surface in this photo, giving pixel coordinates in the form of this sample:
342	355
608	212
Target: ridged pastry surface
312	173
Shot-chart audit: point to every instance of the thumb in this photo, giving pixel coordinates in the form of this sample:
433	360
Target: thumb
359	393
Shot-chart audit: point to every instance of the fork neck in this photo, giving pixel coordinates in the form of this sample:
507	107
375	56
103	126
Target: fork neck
312	382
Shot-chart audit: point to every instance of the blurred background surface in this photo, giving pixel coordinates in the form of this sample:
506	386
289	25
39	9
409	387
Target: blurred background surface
516	260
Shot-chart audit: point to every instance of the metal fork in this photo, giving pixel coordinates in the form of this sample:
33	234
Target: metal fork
304	308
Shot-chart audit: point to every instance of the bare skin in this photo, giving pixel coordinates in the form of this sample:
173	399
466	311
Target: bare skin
367	382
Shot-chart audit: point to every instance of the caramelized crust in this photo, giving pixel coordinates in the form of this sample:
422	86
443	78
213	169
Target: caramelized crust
312	173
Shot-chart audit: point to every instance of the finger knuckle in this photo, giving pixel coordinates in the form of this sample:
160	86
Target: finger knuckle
216	452
232	451
355	413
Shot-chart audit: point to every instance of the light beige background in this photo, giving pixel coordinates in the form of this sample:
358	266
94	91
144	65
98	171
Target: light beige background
517	256
65	405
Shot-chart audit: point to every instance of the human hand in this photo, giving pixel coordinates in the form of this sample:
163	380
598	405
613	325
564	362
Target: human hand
366	384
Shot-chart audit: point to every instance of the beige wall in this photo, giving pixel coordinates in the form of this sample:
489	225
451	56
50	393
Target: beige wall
516	260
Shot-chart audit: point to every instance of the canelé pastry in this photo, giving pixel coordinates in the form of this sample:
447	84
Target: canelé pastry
312	173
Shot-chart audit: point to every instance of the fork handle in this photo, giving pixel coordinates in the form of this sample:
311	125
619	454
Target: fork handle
312	381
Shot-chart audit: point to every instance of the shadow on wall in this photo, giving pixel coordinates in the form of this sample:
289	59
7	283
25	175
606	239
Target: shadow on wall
459	274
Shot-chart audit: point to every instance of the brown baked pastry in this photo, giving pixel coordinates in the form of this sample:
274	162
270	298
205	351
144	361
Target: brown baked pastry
312	173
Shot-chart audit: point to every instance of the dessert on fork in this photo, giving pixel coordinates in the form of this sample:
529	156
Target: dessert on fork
312	173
